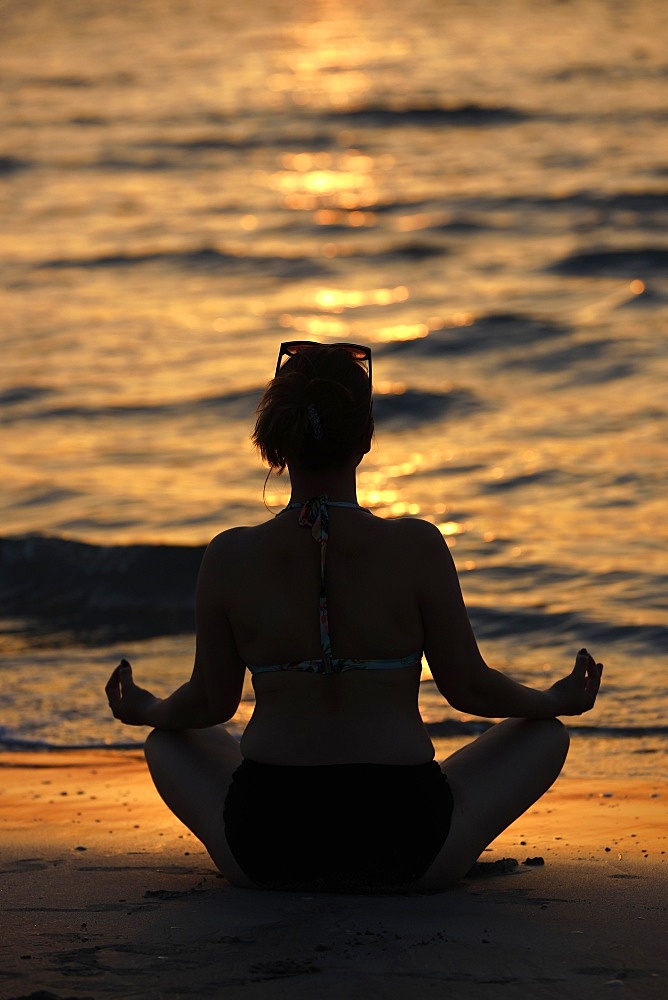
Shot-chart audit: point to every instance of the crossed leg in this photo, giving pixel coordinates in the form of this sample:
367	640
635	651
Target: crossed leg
192	771
494	780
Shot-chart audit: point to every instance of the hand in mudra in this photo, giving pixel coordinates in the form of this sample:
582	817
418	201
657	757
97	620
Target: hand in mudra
128	702
577	692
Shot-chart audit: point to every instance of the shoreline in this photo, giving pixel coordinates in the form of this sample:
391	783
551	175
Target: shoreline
106	894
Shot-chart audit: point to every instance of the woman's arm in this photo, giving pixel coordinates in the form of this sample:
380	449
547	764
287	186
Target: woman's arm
213	693
457	666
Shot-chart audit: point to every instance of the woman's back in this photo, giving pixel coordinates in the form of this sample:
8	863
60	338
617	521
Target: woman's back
271	586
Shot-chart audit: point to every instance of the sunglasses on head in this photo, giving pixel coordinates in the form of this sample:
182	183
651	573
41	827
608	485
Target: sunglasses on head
292	347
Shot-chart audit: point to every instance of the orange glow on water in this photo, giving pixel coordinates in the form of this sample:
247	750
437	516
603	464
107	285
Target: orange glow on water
338	217
454	320
327	217
358	219
386	388
403	331
306	161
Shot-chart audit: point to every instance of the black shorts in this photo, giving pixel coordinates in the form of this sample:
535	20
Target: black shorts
337	827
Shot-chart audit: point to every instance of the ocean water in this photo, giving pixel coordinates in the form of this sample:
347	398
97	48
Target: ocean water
477	190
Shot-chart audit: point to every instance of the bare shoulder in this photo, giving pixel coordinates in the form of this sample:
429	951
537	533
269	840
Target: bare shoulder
226	542
222	555
419	544
415	531
424	548
243	535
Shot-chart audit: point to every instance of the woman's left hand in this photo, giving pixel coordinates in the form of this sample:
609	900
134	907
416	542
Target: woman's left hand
128	702
576	693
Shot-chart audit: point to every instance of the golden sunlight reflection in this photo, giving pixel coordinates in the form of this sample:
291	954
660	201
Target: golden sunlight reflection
330	185
316	326
389	472
328	60
324	68
376	498
374	489
338	299
277	499
401	508
449	528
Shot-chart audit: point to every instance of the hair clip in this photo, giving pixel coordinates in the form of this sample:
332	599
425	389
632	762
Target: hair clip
314	421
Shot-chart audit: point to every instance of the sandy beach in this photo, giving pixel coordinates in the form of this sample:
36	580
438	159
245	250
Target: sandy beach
105	894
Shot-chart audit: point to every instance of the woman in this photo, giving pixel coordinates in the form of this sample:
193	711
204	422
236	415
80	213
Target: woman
334	784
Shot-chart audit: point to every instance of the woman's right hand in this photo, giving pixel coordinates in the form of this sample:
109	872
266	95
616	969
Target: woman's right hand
577	692
128	702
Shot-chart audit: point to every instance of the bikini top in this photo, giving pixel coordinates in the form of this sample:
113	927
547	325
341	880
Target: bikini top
315	515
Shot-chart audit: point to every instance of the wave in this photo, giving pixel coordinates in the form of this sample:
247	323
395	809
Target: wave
630	263
631	201
496	330
118	164
203	259
239	405
414	407
545	478
12	165
96	592
431	115
651	202
570	626
491	213
20	394
73	81
409	250
619	71
177	155
54	587
257	138
590	353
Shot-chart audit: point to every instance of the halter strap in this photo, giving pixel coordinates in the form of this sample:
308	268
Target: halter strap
314	514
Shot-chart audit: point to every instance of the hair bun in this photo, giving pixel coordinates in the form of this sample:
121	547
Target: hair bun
316	412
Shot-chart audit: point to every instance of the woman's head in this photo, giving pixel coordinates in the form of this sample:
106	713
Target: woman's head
316	413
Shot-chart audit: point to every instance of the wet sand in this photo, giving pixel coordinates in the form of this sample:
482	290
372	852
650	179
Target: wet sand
105	894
